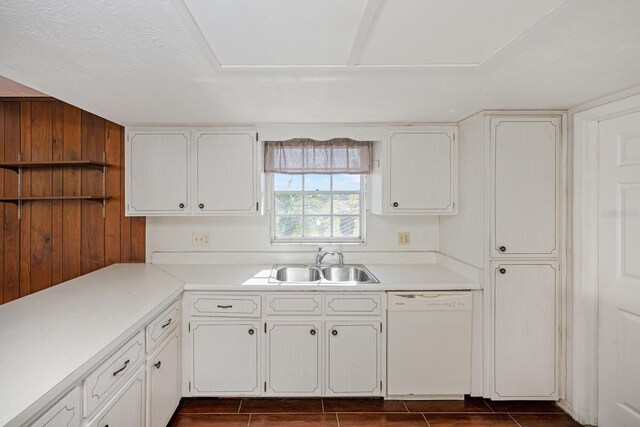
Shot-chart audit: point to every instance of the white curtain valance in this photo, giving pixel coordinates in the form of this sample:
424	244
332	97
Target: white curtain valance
338	155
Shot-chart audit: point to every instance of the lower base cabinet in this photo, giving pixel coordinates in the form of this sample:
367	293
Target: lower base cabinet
163	382
526	319
126	409
224	358
353	358
294	358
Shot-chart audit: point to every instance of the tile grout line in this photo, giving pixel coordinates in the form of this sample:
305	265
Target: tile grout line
249	421
337	419
322	403
425	418
406	407
514	420
488	406
239	406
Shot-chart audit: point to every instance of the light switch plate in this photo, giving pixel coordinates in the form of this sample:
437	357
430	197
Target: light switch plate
404	238
200	239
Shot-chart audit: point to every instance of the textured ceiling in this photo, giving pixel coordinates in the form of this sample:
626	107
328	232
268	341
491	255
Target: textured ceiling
142	62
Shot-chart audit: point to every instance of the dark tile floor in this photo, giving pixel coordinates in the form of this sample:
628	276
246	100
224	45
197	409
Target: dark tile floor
475	412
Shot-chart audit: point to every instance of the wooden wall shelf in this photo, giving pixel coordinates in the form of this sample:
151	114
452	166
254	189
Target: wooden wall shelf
15	166
16	200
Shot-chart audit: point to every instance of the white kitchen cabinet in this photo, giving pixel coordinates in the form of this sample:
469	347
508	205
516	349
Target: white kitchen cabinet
225	358
294	358
525	328
126	409
227	180
525	184
415	172
163	382
64	413
353	361
157	169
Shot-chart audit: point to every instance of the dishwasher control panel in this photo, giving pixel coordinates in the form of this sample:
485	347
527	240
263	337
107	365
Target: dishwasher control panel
430	301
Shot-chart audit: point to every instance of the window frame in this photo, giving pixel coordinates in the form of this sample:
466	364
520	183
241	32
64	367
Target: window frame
360	240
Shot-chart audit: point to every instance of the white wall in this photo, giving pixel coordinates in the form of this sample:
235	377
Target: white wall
462	236
251	234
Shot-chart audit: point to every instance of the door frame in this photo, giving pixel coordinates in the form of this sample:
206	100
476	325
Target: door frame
584	337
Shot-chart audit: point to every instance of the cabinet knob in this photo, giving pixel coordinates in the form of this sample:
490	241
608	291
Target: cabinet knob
395	204
181	205
502	270
201	205
334	332
157	365
502	248
251	331
312	332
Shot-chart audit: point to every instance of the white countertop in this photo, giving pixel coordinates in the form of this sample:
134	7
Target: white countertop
51	338
246	277
50	335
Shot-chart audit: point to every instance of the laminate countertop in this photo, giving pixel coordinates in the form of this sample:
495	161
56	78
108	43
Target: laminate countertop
246	277
52	338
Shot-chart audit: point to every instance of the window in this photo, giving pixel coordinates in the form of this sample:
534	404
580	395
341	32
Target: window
318	208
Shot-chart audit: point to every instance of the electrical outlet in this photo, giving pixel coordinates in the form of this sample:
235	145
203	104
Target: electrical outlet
200	239
404	238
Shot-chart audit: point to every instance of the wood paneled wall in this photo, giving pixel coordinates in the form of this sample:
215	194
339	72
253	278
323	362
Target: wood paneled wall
56	241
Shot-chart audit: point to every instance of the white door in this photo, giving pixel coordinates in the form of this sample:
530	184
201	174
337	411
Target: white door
293	358
158	172
225	358
526	339
525	186
226	173
619	272
127	409
353	358
421	171
164	382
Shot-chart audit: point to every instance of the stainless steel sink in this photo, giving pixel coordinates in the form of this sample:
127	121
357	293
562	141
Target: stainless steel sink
347	273
301	273
334	274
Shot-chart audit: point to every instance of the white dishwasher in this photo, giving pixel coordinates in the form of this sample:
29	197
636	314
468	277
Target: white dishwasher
429	344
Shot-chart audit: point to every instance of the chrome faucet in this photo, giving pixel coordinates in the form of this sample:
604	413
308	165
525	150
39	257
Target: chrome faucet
321	254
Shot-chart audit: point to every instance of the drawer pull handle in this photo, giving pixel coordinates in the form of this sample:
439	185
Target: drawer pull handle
167	324
181	206
502	248
334	332
121	369
502	270
157	365
312	332
225	306
251	331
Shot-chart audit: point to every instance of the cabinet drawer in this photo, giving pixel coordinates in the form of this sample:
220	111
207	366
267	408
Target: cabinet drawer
353	305
162	325
226	305
106	379
293	304
126	409
66	412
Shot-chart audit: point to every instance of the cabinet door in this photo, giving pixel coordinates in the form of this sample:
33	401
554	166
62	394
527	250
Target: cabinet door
526	194
127	407
526	341
422	175
163	382
226	173
225	358
293	358
353	358
157	169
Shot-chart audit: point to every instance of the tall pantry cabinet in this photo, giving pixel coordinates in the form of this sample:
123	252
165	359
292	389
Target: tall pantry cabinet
510	225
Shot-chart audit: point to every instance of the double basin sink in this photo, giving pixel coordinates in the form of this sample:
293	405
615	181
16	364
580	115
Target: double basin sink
310	274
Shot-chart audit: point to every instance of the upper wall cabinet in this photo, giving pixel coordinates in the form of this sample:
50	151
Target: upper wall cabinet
199	172
415	172
157	172
227	179
525	186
